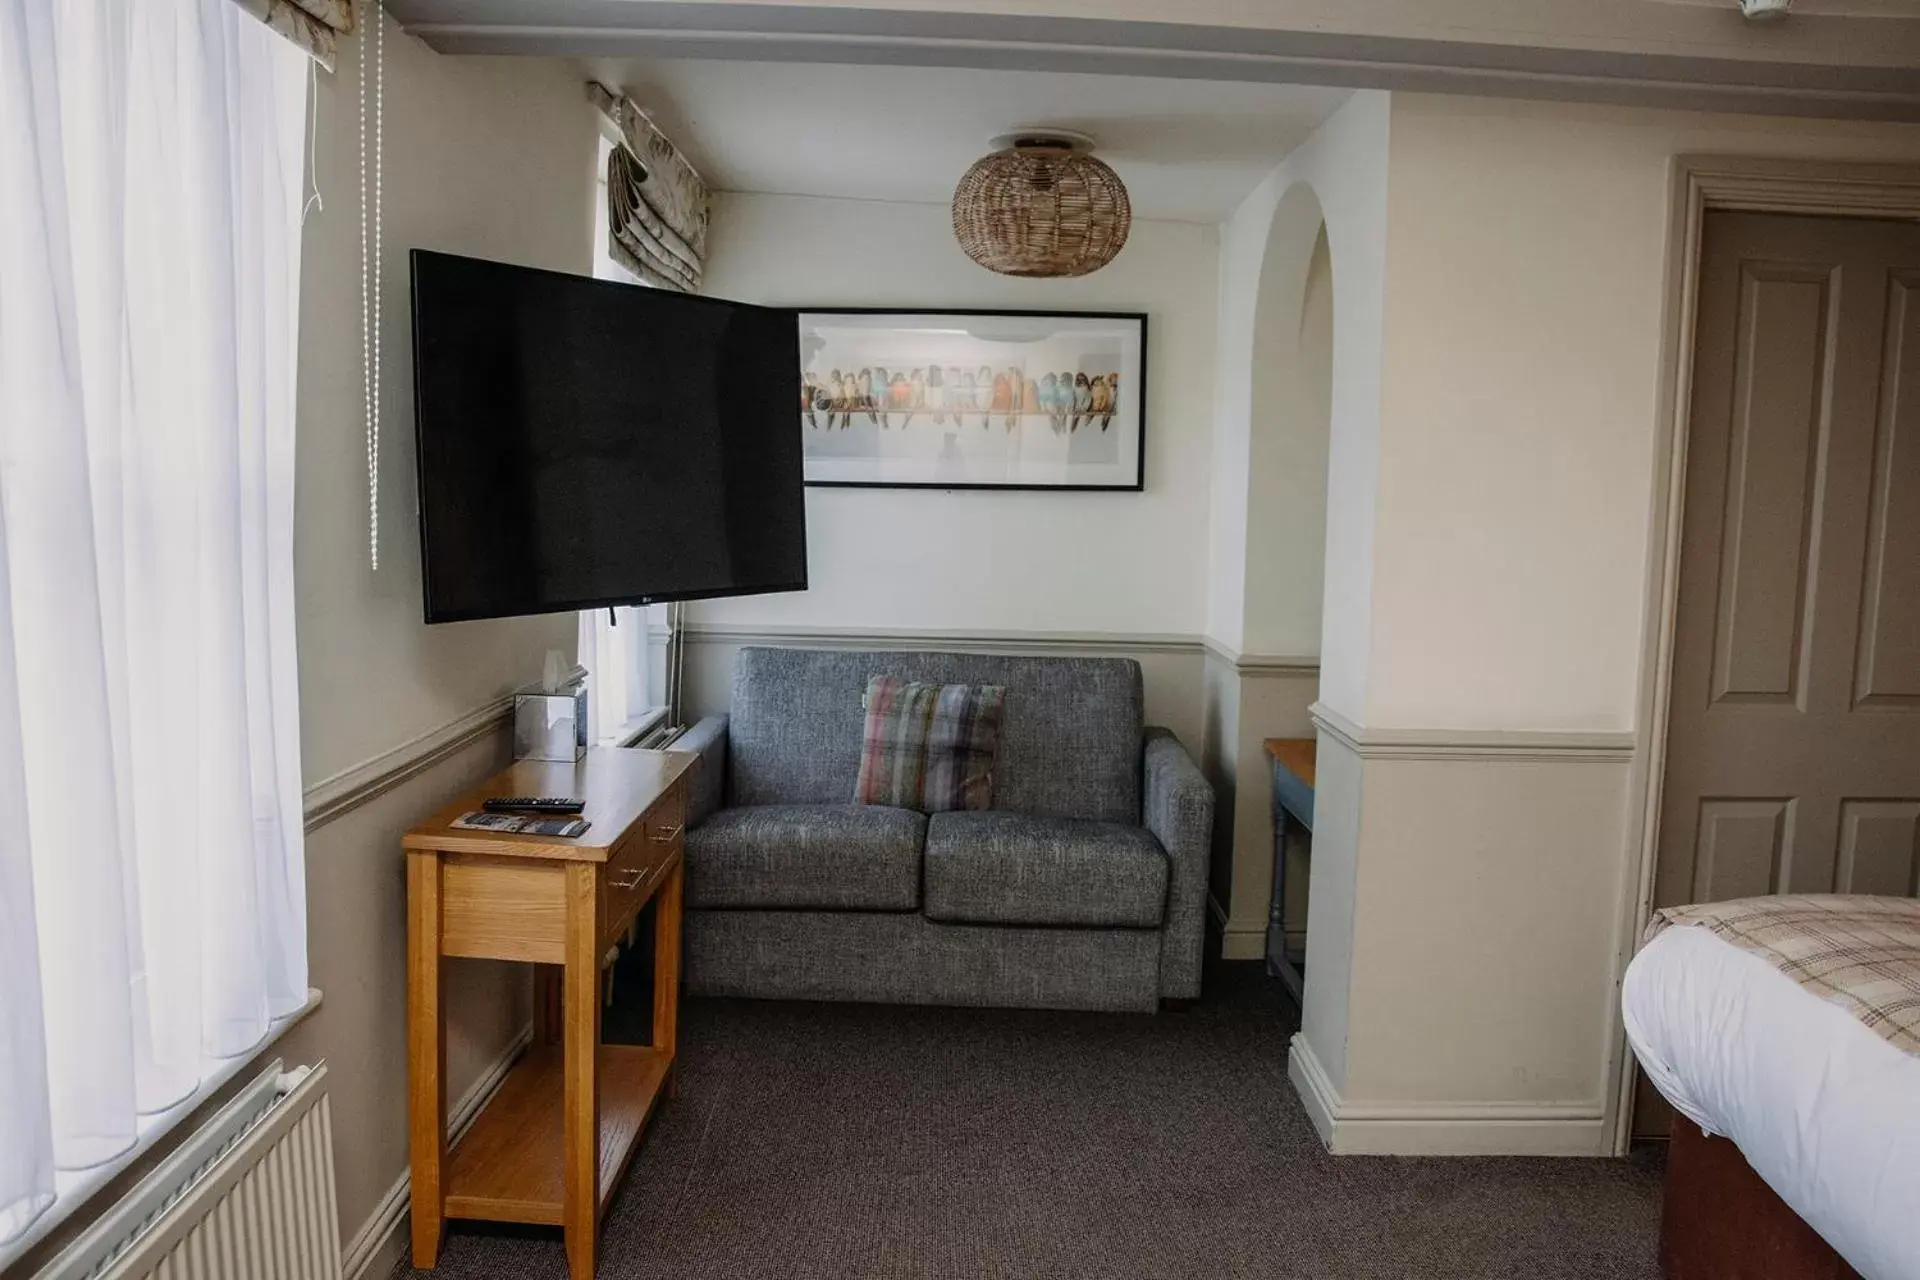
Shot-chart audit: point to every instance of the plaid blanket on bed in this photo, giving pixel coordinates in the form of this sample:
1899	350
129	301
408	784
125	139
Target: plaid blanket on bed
1860	953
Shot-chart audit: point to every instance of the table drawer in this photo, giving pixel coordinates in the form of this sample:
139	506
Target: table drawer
642	861
502	909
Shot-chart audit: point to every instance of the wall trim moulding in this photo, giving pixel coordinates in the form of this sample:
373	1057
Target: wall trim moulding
1262	664
1238	942
1125	644
377	1247
1440	1128
878	35
347	790
1553	745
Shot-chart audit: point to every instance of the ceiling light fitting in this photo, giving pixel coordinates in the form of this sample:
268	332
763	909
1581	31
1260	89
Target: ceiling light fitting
1041	205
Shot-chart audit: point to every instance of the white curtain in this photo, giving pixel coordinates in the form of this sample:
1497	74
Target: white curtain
613	649
152	899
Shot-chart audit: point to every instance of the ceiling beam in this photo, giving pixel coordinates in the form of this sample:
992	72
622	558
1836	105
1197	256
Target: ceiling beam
832	34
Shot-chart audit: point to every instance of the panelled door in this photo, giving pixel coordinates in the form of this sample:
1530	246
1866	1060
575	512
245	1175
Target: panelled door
1793	744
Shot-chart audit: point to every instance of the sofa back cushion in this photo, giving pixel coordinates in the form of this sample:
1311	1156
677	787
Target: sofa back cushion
1069	740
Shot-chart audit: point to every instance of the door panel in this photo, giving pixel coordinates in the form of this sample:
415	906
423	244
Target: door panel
1742	848
1793	737
1887	673
1880	847
1778	416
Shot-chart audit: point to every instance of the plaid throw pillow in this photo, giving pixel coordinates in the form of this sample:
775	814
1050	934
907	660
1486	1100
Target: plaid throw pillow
930	747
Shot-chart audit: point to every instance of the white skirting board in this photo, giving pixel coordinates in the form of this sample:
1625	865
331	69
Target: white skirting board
381	1242
1237	942
1442	1129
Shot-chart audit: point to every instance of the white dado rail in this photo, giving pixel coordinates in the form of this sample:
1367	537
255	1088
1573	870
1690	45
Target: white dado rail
352	787
1603	747
1099	643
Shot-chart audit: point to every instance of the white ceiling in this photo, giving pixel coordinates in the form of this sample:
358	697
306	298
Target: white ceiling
1187	149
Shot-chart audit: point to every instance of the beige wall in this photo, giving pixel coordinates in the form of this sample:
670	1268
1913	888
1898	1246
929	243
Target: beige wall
489	157
485	157
1490	872
1528	251
1287	458
928	559
1108	573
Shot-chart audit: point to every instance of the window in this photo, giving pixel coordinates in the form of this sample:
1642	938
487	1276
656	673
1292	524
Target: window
613	643
152	884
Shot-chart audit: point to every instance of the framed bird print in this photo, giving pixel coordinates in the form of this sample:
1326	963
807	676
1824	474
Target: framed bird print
973	399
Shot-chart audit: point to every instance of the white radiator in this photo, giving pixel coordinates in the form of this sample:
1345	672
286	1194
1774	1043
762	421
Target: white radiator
249	1196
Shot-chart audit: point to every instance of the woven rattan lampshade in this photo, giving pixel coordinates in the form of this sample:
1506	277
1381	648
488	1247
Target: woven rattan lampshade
1041	206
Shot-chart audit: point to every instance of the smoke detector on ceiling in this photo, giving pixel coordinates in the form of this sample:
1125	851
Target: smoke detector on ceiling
1765	10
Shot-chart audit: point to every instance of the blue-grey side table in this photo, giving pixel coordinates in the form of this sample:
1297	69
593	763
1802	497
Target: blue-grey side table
1292	760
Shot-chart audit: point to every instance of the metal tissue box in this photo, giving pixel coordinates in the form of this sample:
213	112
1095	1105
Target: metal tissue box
550	726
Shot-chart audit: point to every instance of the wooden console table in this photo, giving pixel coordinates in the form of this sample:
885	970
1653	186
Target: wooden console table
553	1143
1293	771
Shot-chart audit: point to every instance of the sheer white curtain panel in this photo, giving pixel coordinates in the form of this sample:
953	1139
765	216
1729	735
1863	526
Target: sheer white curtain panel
152	890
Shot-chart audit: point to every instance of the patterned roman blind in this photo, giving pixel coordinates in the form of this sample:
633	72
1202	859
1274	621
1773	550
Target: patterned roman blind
314	25
658	205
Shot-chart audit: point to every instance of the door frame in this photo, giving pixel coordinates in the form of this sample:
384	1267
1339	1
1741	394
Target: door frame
1696	184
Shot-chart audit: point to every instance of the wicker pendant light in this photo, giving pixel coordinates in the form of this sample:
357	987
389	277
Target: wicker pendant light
1041	205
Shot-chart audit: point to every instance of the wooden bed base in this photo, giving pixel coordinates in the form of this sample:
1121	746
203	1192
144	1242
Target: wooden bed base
1722	1222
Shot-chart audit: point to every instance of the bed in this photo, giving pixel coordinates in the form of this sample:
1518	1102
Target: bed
1790	1026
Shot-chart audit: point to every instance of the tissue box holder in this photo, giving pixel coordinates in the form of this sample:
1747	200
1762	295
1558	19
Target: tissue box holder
550	726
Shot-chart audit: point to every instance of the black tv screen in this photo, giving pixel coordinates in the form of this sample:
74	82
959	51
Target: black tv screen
586	443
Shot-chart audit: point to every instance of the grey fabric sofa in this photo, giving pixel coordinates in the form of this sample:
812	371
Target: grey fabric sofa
1083	888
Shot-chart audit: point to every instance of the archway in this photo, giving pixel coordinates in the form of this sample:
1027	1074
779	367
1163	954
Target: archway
1288	410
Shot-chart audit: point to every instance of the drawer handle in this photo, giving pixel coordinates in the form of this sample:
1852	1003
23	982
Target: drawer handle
664	834
633	880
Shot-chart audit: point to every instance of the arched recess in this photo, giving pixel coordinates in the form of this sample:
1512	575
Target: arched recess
1291	422
1288	392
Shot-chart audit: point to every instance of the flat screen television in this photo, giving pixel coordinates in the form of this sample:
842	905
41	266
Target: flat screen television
584	443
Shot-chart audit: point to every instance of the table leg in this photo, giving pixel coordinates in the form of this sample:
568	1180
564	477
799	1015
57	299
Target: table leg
546	1003
580	1090
666	968
1277	911
426	1059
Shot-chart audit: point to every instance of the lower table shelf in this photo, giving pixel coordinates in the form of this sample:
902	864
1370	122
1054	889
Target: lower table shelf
508	1166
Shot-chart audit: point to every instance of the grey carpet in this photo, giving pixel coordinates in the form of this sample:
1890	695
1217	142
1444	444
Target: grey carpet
813	1140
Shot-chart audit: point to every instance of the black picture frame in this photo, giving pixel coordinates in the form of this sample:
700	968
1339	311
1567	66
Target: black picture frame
1136	421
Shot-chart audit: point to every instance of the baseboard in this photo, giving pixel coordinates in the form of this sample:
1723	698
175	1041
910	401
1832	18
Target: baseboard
1238	943
380	1244
1442	1129
1316	1091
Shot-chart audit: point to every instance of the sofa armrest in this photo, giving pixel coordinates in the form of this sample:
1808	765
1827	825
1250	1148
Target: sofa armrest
708	739
1177	808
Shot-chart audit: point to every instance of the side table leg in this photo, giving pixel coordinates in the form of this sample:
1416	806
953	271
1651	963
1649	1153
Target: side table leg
1277	908
426	1058
580	1091
666	968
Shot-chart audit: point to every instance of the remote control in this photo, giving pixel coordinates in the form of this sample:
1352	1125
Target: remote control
534	804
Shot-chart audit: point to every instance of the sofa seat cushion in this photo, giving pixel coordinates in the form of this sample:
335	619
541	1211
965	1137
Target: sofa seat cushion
823	856
1016	868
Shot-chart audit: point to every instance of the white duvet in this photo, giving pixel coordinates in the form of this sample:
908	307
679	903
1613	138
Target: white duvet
1823	1108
